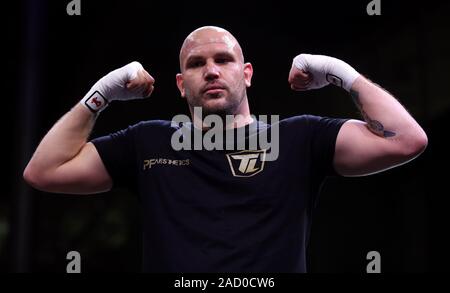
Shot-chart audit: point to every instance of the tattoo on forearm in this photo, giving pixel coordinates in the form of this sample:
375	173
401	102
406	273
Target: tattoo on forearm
374	125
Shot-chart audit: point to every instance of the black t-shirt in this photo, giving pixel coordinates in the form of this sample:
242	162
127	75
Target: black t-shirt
207	211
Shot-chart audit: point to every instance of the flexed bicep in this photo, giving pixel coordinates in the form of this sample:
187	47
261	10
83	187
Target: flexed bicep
360	152
84	174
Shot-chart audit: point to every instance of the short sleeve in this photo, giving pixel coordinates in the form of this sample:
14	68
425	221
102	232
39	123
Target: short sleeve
324	133
118	153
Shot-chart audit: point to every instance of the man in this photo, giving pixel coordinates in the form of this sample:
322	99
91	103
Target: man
220	210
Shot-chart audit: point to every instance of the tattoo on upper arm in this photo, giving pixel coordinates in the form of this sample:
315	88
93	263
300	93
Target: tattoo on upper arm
374	125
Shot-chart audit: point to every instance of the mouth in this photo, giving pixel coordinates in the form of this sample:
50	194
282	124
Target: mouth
213	89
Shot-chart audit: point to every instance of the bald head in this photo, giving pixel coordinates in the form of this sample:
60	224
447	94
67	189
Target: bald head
208	35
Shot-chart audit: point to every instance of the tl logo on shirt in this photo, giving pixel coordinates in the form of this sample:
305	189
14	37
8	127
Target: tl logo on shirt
246	163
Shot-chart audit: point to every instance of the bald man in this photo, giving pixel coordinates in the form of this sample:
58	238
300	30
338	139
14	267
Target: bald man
224	95
224	210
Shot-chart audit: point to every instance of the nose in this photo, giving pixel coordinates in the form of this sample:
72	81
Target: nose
212	71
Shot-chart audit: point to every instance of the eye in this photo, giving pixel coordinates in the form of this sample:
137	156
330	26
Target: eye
195	63
223	60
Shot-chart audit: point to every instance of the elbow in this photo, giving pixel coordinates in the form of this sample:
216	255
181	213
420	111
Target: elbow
420	143
415	145
34	178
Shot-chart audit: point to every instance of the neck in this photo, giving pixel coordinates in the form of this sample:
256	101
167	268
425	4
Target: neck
240	118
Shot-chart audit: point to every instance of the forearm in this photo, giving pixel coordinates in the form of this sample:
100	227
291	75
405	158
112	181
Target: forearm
68	136
63	142
384	115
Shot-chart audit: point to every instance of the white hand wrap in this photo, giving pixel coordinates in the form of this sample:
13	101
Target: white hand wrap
326	70
112	86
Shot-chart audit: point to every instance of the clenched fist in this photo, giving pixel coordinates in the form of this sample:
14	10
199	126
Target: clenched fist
126	83
316	71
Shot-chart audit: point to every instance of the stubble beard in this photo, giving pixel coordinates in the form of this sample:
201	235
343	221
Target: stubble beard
230	106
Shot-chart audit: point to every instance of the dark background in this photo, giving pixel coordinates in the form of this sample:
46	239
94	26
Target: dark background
53	59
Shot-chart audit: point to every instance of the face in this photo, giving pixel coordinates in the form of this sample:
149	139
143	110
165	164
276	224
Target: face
214	75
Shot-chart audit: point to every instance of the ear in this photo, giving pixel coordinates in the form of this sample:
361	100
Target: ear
180	84
248	73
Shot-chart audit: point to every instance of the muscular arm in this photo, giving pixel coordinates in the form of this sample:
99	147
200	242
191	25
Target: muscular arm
64	162
388	137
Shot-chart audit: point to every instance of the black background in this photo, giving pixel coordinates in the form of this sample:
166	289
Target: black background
53	59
